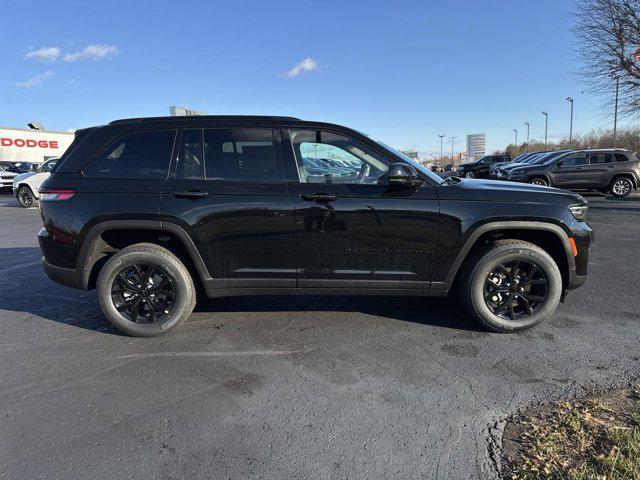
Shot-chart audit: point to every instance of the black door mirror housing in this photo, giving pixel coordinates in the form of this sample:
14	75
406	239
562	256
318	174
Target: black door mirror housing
403	175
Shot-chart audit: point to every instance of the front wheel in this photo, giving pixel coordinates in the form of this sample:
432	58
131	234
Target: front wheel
144	290
469	174
25	197
511	285
539	181
621	187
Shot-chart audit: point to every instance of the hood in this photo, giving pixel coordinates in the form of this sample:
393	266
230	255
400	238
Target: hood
512	192
24	176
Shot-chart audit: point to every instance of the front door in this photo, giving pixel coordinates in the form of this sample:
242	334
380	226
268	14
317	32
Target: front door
570	172
228	190
354	231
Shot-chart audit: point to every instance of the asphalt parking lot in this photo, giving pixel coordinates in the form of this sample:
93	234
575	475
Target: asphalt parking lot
294	387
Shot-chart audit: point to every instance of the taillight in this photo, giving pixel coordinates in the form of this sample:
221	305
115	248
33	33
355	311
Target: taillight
55	194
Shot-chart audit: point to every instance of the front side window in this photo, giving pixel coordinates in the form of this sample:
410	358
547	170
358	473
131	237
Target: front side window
324	157
575	160
240	154
137	155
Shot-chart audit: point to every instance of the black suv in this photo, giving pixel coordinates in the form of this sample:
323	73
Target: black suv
149	211
480	168
613	170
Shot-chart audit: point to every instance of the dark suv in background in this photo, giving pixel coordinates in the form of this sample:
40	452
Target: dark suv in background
502	172
607	170
480	168
149	211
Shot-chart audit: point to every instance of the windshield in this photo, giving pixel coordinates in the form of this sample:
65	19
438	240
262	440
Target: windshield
418	166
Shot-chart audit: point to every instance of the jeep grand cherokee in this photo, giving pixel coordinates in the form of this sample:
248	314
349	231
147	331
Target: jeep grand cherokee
149	210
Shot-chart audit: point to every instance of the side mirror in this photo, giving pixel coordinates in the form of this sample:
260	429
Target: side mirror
403	175
559	164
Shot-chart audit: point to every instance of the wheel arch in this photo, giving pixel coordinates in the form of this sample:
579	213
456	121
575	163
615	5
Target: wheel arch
549	236
628	175
108	237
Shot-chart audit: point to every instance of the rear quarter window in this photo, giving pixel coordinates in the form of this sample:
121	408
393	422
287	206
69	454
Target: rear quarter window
135	155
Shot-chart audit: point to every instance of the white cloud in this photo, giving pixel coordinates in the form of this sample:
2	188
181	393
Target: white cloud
44	53
306	65
93	52
72	83
35	81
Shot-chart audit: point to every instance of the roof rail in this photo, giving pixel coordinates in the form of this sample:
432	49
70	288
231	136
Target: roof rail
203	117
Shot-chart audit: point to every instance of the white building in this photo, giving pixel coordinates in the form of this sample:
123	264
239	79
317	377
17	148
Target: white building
32	146
476	146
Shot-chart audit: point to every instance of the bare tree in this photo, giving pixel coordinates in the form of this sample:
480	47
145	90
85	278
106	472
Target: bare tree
607	38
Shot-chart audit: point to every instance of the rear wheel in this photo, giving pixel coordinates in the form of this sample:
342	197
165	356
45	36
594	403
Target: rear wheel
470	174
26	197
511	285
539	181
144	290
621	187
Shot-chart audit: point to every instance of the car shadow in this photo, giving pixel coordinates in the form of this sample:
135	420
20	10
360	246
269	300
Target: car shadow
20	272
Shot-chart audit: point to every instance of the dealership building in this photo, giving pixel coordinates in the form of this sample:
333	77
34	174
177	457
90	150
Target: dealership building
33	144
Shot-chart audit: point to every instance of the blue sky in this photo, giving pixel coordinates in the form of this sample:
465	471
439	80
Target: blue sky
401	71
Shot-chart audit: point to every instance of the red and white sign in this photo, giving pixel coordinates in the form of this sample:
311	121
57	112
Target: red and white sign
35	146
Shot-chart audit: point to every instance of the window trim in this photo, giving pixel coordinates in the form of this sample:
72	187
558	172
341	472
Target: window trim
133	132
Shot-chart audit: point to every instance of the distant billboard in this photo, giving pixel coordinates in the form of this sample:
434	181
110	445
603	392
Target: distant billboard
476	145
175	111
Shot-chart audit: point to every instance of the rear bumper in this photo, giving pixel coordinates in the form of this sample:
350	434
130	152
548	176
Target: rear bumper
70	277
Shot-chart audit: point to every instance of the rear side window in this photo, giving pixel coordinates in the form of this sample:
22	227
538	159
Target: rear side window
137	155
596	158
240	155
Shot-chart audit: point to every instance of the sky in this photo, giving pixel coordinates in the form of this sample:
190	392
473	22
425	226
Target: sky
401	71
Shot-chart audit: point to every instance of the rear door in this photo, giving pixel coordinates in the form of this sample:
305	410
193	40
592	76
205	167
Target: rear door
355	231
598	169
228	190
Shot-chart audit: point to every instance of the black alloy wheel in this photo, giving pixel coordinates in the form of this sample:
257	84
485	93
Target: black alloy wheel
515	290
25	197
143	293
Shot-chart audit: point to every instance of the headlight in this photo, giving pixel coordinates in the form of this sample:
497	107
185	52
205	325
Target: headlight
579	212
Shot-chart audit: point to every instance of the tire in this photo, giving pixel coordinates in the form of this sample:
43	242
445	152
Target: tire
539	181
470	175
167	270
476	273
621	186
25	197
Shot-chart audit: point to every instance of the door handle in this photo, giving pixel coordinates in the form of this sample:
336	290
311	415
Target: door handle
190	194
318	197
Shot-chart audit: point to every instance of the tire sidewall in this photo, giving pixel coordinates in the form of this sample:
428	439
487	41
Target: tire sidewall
469	175
538	179
172	267
481	272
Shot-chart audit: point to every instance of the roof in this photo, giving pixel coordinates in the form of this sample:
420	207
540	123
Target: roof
265	118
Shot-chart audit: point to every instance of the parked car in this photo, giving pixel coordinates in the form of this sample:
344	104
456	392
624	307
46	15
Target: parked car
26	185
607	170
493	169
502	173
6	178
145	210
480	168
448	167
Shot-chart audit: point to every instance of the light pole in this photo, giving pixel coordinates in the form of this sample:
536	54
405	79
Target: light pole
441	154
615	114
516	144
570	100
452	140
527	124
546	123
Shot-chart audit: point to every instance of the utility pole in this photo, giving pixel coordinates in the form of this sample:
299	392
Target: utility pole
527	124
570	100
452	140
546	123
516	144
615	115
441	154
